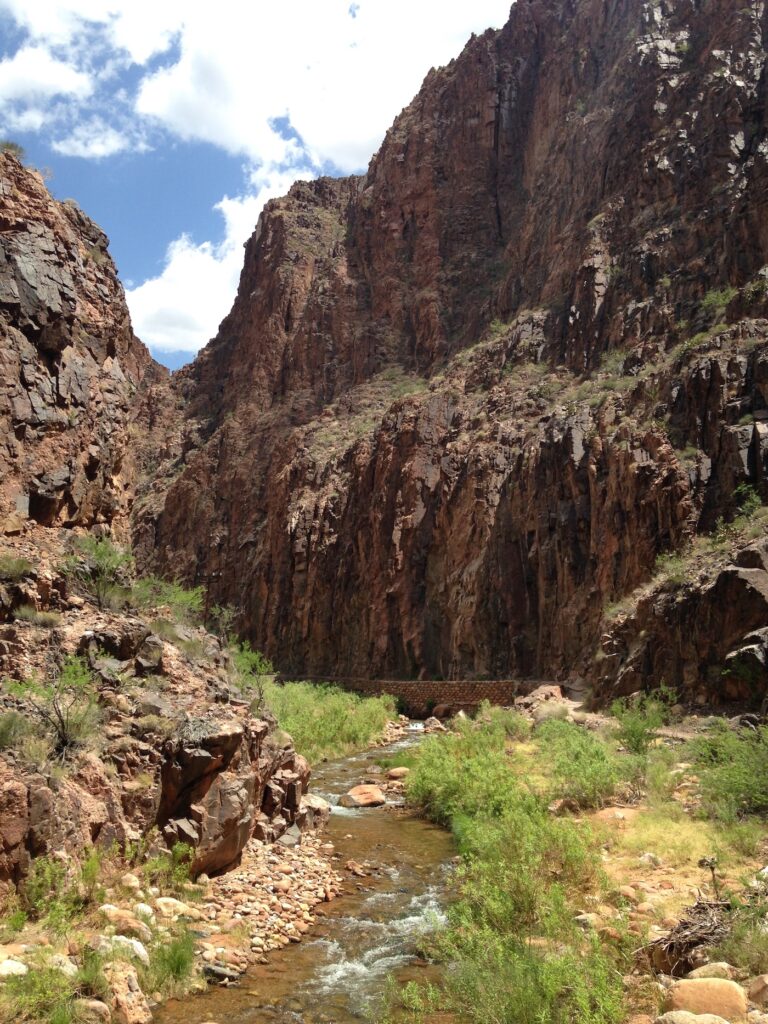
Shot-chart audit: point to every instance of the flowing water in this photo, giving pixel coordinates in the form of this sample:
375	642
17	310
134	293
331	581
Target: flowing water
367	935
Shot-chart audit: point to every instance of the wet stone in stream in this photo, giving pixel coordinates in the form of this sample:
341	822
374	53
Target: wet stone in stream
369	932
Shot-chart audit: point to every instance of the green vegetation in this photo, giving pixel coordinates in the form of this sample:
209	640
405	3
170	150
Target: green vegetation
747	942
64	706
13	569
584	769
325	721
718	298
26	613
251	670
185	605
57	898
733	770
101	568
170	871
514	950
639	720
172	964
12	149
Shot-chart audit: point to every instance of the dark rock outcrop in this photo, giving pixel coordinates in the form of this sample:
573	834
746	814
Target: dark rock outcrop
462	403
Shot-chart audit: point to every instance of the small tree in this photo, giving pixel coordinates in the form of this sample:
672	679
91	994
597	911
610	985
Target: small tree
251	668
99	565
65	705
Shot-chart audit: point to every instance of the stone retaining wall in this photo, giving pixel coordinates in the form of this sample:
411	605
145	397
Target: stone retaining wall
420	696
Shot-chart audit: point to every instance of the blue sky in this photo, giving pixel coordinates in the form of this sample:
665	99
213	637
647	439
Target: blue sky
171	122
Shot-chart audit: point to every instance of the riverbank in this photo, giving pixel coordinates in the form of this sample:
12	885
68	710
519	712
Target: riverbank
585	841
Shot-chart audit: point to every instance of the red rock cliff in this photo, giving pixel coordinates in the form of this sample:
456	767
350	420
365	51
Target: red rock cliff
463	402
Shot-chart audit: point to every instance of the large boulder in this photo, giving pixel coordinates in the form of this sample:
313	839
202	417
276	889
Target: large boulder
363	796
709	995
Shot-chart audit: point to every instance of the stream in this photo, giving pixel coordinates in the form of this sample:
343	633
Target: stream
365	936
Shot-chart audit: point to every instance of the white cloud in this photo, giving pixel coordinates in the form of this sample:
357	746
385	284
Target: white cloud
93	139
227	73
181	308
33	73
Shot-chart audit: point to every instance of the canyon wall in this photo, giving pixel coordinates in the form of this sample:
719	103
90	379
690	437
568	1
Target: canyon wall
463	402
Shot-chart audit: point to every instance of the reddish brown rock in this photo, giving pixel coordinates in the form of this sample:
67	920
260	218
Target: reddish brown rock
363	796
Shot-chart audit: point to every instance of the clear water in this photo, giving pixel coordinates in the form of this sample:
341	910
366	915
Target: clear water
371	933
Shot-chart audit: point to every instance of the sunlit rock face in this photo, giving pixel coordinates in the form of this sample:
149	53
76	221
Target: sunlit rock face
463	402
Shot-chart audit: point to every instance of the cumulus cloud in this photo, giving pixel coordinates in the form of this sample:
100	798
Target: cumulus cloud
294	88
33	73
181	308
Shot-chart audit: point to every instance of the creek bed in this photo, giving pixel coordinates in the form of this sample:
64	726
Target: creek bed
365	936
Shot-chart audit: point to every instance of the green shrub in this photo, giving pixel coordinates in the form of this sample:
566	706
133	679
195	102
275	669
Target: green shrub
640	719
13	728
65	705
172	964
27	613
186	605
583	767
718	298
170	871
251	670
13	149
13	569
100	566
747	942
325	721
733	772
747	499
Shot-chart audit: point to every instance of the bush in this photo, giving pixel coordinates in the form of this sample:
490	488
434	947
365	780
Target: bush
640	719
100	567
513	950
325	721
26	613
13	149
172	964
733	772
13	728
170	871
251	670
186	605
583	768
13	569
65	705
42	995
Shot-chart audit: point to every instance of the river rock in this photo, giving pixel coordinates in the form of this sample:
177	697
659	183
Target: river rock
685	1017
758	990
363	796
12	968
709	995
714	970
126	1000
92	1011
398	773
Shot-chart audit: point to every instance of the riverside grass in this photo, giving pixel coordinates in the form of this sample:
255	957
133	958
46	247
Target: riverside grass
325	721
512	948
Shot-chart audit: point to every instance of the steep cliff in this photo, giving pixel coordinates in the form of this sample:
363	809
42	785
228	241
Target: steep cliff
462	403
70	365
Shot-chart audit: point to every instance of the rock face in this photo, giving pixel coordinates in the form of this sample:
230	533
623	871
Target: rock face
463	402
70	365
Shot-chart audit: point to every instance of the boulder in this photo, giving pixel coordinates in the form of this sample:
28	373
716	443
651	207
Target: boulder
685	1017
363	796
714	970
758	990
398	773
716	996
126	1000
92	1011
12	968
125	922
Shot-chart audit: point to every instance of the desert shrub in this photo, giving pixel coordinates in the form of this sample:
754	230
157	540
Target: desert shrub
185	604
13	728
251	670
747	499
153	725
170	871
221	621
64	705
45	994
12	148
718	298
640	719
514	725
523	873
326	721
584	768
100	566
733	772
13	569
26	613
172	964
